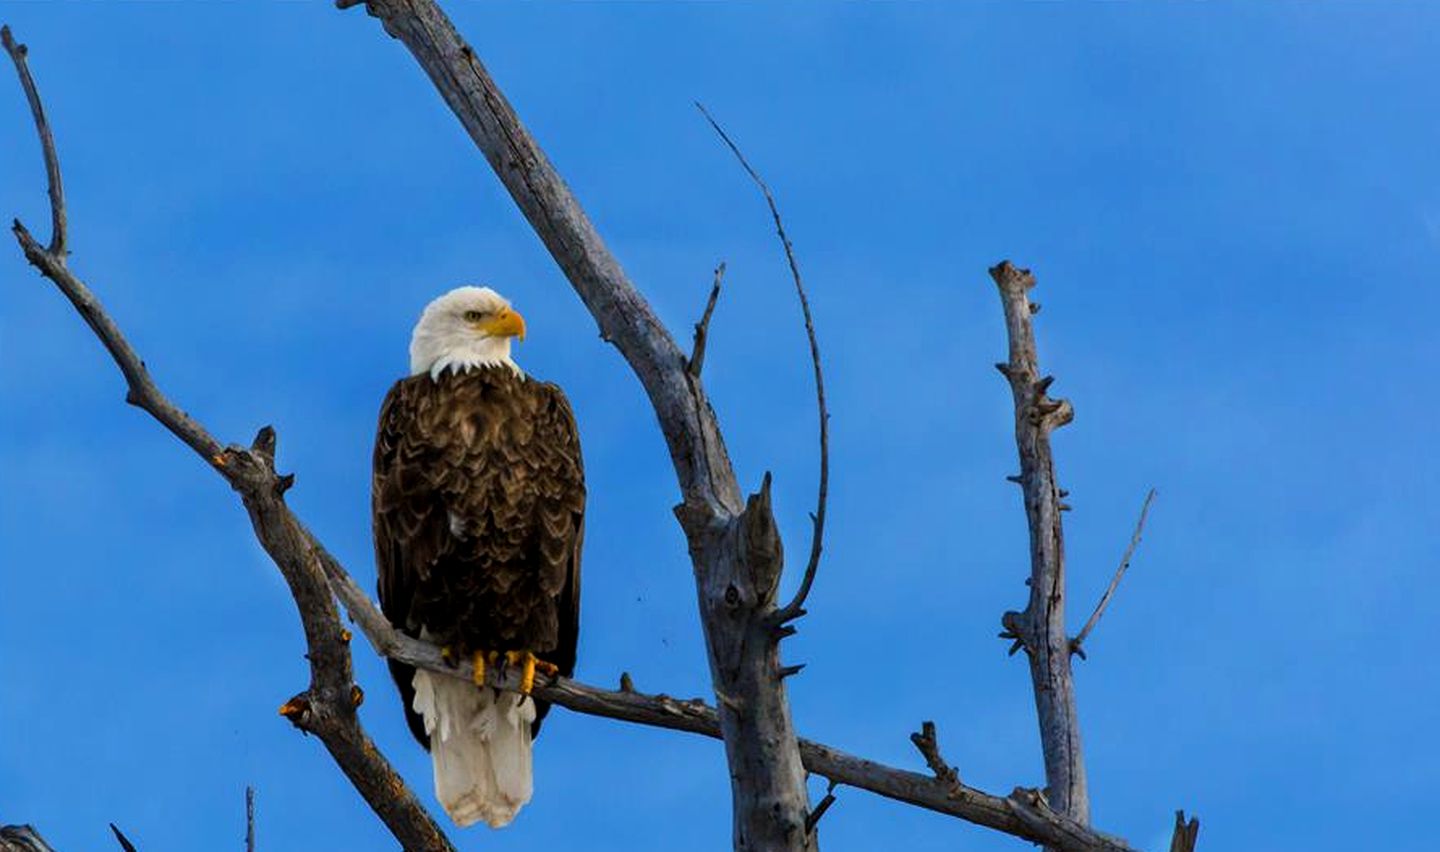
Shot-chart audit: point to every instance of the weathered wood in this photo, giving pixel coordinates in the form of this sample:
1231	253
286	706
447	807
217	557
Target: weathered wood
1186	833
249	819
22	838
1040	628
736	573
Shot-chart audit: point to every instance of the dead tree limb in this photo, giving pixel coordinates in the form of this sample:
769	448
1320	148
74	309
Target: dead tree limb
22	838
249	819
1186	833
702	328
1040	629
59	238
125	844
1077	644
796	607
327	707
733	541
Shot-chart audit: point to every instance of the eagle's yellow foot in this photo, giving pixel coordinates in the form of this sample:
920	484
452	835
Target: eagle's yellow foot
529	663
480	659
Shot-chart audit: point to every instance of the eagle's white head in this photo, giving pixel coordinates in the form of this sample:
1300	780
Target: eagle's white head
467	327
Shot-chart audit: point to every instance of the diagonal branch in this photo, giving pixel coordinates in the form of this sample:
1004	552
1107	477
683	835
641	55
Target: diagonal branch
1076	644
125	844
702	328
18	54
329	703
796	607
22	838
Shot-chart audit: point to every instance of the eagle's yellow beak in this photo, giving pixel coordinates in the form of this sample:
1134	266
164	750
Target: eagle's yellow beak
506	323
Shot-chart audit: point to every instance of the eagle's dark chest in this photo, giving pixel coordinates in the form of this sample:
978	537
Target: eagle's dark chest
481	486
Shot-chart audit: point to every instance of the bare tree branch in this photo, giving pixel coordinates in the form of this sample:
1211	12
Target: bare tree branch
929	748
1076	644
821	807
249	819
58	236
1186	833
120	838
733	541
796	607
1040	629
327	707
22	838
702	328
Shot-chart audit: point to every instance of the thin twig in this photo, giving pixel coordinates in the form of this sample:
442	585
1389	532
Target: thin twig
249	819
121	838
1079	640
702	328
58	238
813	819
795	608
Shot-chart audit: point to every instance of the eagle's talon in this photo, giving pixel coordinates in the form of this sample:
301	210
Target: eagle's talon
478	675
529	664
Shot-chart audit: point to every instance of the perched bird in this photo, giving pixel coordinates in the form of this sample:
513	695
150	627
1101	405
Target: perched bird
478	502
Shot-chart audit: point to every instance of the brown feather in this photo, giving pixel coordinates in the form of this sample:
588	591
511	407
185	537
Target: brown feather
499	455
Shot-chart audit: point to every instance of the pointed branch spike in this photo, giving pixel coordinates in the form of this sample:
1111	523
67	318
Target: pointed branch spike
264	441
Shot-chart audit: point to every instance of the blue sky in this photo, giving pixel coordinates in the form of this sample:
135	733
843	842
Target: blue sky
1234	214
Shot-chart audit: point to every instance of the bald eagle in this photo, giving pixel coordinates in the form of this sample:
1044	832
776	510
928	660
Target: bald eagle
478	502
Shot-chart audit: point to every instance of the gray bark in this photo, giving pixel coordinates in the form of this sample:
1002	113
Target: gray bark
734	547
1040	629
22	838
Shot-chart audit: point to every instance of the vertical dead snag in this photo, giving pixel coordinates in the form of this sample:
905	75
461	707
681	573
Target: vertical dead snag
1040	628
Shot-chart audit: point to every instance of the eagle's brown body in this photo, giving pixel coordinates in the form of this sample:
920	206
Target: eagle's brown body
479	500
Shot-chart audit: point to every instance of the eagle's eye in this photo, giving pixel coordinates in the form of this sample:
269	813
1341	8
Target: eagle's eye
474	316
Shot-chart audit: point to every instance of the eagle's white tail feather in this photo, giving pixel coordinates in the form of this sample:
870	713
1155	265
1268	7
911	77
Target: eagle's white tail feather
480	744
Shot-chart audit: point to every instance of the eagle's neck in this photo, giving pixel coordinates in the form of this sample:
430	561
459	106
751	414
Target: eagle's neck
435	354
